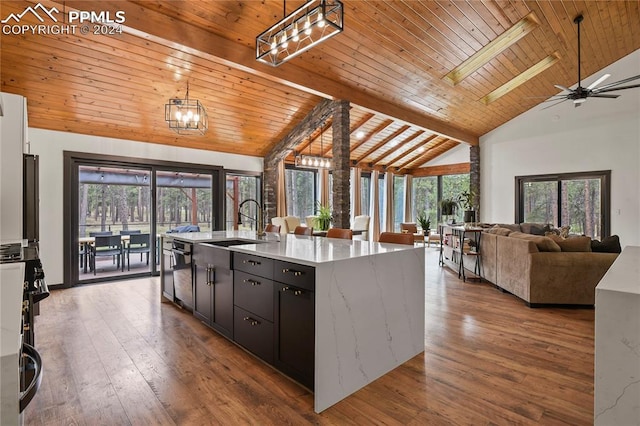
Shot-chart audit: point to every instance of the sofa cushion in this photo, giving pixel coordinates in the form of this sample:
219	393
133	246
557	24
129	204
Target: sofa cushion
534	228
607	245
574	243
543	243
512	226
499	231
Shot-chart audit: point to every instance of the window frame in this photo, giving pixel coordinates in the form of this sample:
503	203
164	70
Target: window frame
605	197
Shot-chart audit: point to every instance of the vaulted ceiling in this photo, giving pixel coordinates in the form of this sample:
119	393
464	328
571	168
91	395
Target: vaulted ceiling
403	65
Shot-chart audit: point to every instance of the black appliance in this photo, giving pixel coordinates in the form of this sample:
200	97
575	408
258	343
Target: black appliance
30	198
34	289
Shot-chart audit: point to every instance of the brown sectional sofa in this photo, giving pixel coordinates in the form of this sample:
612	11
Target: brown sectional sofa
518	264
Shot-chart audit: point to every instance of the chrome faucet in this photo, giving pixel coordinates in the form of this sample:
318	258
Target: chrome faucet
260	214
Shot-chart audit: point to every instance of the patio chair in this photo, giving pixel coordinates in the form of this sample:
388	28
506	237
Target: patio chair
138	243
107	245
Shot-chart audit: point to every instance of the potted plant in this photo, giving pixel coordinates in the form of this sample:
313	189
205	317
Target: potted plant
467	200
424	222
448	207
323	217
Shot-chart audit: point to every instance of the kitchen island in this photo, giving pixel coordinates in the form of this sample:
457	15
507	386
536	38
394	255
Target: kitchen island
355	308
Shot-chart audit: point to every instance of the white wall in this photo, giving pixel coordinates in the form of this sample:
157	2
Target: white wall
50	145
602	134
459	154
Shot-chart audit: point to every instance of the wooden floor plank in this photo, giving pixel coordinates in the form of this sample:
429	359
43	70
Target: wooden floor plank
113	354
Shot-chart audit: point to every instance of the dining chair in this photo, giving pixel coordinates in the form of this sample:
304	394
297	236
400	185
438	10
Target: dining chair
412	228
138	243
346	234
279	221
107	245
272	228
303	230
396	238
361	223
292	222
100	233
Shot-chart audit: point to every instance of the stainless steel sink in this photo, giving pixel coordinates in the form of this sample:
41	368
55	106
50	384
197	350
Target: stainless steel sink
234	242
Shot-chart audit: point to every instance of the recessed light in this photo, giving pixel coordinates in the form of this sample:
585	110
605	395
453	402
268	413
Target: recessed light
360	134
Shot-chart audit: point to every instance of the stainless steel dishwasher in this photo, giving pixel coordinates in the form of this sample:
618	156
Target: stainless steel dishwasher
182	273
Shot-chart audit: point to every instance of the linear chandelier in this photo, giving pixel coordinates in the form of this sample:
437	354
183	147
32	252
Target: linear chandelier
310	24
313	161
186	116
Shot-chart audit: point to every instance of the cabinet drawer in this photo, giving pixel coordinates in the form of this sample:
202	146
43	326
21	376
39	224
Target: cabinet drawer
255	265
253	333
298	275
253	293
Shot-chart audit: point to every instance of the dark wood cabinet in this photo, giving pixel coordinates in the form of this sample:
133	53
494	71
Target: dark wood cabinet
294	320
213	288
254	333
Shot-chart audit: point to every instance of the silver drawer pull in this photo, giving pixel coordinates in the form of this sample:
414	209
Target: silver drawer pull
292	271
285	289
252	282
251	262
252	321
298	292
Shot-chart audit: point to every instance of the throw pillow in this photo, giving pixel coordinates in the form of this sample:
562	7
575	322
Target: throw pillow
564	231
543	243
499	231
534	228
575	244
607	245
512	226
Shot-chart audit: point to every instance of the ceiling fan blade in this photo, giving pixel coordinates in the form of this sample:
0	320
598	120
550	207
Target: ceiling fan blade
607	86
597	91
563	88
598	81
604	96
556	98
553	104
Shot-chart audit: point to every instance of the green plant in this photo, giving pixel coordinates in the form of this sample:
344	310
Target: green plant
424	221
467	199
323	217
449	206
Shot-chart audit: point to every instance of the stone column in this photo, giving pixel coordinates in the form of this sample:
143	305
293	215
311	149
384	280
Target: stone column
474	177
341	170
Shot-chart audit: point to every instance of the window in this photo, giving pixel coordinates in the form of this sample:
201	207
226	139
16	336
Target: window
425	197
241	187
365	193
300	192
398	202
452	186
579	200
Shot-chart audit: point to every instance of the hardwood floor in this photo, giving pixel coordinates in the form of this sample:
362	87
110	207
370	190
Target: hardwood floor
114	355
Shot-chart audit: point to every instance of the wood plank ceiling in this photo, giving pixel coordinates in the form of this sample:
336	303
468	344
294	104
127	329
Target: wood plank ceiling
390	62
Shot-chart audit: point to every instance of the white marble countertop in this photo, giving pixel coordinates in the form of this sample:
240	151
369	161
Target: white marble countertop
624	274
300	249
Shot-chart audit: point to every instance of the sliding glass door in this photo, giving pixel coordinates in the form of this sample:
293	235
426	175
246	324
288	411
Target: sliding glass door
117	207
113	205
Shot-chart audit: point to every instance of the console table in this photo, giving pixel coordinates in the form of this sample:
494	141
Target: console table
453	249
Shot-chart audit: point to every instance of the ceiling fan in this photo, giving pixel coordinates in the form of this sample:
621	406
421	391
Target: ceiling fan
580	94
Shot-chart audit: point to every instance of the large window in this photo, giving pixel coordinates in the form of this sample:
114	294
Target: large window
398	202
239	188
365	193
452	187
425	197
300	192
578	200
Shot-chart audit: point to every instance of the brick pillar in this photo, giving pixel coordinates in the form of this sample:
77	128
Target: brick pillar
269	185
341	171
474	177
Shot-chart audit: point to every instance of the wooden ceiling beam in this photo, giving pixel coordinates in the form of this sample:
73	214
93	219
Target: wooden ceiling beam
386	123
448	169
158	28
405	154
407	140
442	147
429	144
383	142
